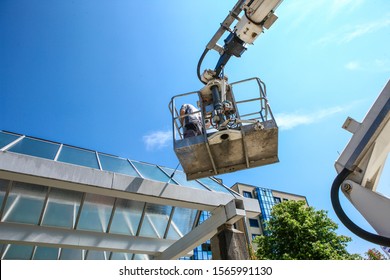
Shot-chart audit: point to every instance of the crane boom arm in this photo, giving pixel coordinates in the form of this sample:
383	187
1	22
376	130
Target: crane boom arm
257	15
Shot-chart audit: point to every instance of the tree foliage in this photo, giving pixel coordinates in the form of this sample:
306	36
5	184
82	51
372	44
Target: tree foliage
298	232
374	254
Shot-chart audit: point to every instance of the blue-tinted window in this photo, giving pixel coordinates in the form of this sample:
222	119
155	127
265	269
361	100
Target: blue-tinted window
204	215
116	164
78	156
95	213
151	172
34	147
46	253
3	190
180	177
24	203
71	254
277	200
127	217
266	201
203	252
62	208
19	252
247	194
121	256
96	255
182	222
199	254
155	221
254	223
6	138
210	183
141	257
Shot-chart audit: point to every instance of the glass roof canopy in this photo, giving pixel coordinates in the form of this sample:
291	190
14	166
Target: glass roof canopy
63	202
69	154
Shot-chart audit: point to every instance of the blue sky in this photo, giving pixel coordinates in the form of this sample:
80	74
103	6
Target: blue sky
99	74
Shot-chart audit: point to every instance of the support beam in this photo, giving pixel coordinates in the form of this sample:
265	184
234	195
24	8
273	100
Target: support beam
68	238
229	213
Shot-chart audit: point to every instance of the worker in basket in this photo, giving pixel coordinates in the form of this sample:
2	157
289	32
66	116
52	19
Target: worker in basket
191	121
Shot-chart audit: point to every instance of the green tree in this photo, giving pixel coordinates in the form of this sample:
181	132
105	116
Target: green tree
374	254
298	232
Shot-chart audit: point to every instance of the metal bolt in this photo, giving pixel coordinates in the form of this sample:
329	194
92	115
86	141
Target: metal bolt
347	188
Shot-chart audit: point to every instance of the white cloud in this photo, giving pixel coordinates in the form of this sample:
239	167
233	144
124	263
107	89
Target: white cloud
300	10
339	6
353	65
362	29
157	140
288	121
348	33
377	65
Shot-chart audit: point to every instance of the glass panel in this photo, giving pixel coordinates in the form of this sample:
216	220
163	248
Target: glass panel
96	255
266	201
204	215
46	253
127	217
247	194
121	256
180	177
78	156
141	257
37	148
24	203
3	190
95	213
19	252
182	222
2	248
116	164
71	254
6	138
155	221
203	251
151	172
62	208
210	183
254	223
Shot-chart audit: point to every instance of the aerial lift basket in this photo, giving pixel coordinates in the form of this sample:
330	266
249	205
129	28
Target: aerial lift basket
250	140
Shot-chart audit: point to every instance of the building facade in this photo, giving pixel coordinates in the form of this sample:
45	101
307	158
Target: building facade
266	199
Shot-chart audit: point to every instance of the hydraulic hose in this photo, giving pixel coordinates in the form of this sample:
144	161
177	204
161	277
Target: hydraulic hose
335	199
200	64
